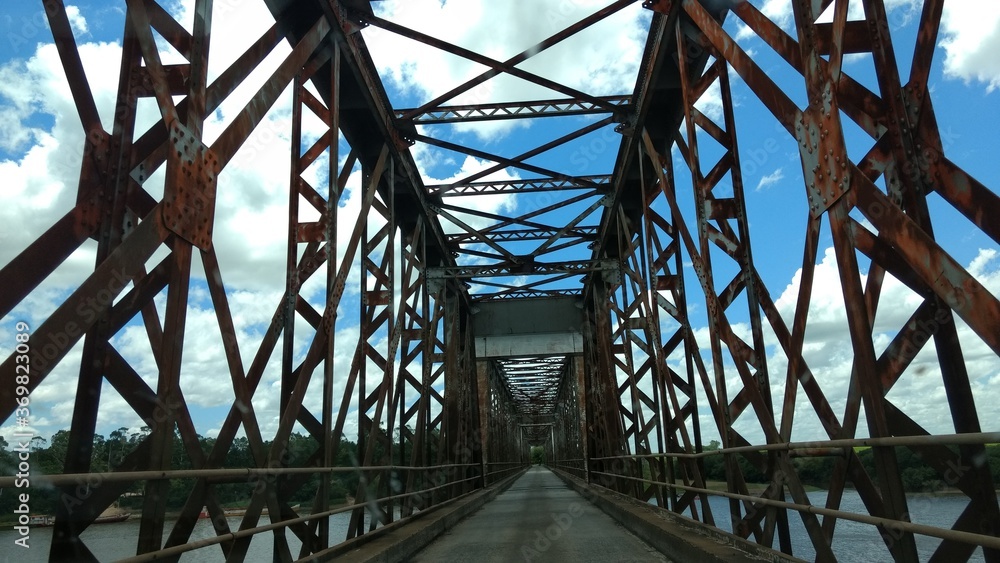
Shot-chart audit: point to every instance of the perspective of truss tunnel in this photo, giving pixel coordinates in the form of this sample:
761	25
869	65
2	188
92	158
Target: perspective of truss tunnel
562	322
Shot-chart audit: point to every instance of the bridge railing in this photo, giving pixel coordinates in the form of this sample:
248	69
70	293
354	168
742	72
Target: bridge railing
441	477
504	469
623	468
576	467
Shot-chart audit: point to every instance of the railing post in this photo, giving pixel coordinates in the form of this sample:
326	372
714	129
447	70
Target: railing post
483	397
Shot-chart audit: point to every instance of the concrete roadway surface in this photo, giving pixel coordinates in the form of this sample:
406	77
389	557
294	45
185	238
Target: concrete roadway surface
539	518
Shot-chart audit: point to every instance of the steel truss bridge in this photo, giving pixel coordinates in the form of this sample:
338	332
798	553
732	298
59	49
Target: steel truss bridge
483	333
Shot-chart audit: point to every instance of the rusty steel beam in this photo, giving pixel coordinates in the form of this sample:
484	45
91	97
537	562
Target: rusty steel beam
377	322
536	185
518	293
523	219
605	432
522	110
515	161
599	182
501	451
632	336
508	66
585	232
533	268
714	216
460	414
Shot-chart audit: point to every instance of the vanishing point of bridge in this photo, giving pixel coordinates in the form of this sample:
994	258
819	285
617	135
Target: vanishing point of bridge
571	325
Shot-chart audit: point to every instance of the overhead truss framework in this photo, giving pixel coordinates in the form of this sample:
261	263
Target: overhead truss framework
665	359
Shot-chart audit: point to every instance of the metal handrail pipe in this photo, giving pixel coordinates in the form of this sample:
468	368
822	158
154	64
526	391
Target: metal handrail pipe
231	536
508	470
911	527
213	475
972	438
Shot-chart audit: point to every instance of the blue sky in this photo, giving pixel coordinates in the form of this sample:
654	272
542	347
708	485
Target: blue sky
40	147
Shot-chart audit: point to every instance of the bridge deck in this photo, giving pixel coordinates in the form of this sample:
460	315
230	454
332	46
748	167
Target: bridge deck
539	519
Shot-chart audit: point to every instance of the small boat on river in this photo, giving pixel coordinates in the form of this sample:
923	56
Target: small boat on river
41	520
113	514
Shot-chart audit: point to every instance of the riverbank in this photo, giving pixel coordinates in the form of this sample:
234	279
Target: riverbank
758	488
753	488
9	523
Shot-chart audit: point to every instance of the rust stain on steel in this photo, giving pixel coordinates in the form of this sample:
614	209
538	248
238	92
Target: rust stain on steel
189	200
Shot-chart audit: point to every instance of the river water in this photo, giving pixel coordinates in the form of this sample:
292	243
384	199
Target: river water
109	542
853	542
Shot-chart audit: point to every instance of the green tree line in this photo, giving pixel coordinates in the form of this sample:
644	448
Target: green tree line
916	474
47	458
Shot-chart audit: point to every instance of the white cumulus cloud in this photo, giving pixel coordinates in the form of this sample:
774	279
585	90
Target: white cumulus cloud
971	40
76	20
769	180
600	60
